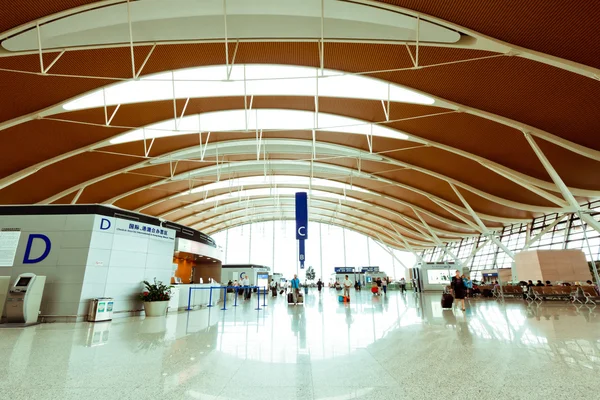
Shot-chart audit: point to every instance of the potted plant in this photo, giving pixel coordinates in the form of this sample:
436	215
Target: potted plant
156	298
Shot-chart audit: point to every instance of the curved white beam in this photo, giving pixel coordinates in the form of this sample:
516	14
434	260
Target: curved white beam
320	208
324	221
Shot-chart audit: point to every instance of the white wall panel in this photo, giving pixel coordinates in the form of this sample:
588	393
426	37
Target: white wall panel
130	243
96	274
160	247
92	290
70	274
99	257
79	239
70	257
127	259
125	275
77	222
102	240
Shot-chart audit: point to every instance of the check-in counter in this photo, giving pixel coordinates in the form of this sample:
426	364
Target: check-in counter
200	297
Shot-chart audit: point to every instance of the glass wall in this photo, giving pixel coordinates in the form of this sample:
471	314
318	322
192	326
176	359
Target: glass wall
273	243
552	231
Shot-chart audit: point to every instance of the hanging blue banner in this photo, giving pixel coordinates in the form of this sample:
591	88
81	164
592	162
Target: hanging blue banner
301	216
301	225
301	252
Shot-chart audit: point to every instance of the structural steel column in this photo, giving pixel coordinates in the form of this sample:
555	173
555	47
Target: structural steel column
321	249
344	239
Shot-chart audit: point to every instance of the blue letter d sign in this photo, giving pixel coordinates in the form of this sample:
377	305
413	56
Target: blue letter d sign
104	224
47	244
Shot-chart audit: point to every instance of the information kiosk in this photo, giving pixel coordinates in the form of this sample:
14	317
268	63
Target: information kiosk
24	299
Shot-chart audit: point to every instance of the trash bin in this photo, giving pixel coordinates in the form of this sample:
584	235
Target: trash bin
101	309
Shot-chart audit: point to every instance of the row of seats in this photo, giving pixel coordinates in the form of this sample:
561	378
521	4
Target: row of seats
540	293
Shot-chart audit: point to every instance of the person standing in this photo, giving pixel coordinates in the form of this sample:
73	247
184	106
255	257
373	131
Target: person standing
379	285
458	288
295	288
469	285
384	283
246	284
319	285
403	285
347	285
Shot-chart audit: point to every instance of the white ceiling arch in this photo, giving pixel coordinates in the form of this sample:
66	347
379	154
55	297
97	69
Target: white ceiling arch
320	206
359	209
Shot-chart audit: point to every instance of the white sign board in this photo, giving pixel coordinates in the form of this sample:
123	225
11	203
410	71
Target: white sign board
138	228
9	241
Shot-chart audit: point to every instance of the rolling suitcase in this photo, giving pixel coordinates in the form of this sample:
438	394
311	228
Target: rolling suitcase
447	300
290	298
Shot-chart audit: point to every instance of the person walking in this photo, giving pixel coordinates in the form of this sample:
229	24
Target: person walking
458	288
403	285
295	288
319	285
347	285
384	283
274	287
379	285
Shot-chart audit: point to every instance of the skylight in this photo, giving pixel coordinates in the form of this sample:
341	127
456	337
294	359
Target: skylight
260	80
270	180
244	194
264	119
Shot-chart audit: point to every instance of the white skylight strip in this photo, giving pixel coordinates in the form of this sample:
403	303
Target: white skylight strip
265	119
261	80
270	180
273	192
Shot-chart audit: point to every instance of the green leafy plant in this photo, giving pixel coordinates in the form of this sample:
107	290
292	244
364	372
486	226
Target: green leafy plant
157	291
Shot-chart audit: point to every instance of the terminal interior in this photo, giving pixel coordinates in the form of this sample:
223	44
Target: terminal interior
232	199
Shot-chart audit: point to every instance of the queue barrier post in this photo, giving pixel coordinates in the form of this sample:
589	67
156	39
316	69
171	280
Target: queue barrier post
236	296
258	299
224	298
189	299
210	298
265	297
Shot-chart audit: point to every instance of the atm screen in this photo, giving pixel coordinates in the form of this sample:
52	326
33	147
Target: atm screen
23	281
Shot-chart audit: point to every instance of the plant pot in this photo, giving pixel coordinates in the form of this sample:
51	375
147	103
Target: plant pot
156	308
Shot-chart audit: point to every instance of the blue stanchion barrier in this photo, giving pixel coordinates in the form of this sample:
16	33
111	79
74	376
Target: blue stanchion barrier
224	298
265	297
189	307
258	300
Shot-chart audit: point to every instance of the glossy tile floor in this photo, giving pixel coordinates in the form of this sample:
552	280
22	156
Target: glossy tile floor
394	347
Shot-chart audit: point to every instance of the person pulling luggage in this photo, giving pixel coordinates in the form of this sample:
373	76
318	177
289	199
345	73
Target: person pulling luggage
459	289
274	288
295	288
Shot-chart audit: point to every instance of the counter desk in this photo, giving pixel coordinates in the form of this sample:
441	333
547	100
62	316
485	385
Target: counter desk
200	297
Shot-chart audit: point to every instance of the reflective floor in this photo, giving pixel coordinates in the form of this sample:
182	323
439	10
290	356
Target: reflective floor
394	347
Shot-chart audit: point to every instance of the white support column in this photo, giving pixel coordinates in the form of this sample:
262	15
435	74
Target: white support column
344	239
547	229
131	39
564	190
437	239
250	244
592	260
226	244
273	248
39	38
368	252
322	47
226	39
479	222
321	249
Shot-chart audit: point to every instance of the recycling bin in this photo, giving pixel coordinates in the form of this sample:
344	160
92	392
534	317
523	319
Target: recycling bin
101	309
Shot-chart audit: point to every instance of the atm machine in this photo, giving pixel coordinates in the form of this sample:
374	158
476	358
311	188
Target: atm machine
24	299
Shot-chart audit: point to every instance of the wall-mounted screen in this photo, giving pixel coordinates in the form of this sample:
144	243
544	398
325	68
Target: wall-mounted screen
24	281
438	277
262	280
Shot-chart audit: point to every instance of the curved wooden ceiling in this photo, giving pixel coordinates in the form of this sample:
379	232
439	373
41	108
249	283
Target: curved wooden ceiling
521	68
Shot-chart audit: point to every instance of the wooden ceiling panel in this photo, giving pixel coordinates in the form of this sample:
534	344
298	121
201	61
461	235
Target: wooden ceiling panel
61	176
